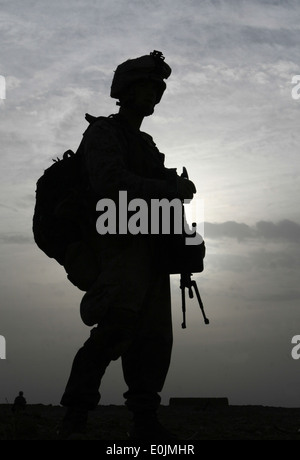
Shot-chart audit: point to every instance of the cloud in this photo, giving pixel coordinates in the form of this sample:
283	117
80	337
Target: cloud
15	239
283	230
229	229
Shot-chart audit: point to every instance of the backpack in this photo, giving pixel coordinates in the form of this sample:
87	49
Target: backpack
65	213
63	203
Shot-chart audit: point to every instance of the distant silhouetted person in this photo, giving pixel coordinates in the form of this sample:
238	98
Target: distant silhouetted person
19	403
129	305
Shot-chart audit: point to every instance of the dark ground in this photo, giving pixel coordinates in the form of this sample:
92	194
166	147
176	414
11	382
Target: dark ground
39	422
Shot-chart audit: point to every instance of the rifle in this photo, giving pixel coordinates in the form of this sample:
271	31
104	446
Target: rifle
185	277
186	282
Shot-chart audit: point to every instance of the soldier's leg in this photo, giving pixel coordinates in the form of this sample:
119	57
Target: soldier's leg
107	342
146	362
118	298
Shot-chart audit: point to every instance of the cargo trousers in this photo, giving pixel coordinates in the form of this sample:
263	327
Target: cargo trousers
129	306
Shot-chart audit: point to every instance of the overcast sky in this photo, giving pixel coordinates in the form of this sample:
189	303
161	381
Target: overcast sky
227	115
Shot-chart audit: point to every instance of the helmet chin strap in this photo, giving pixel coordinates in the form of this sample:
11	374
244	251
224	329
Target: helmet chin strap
128	102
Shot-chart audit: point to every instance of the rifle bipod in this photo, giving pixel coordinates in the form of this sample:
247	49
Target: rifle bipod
186	282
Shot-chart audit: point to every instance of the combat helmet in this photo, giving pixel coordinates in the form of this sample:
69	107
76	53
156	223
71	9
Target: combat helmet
152	66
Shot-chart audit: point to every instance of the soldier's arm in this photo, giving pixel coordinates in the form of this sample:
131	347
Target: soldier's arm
105	153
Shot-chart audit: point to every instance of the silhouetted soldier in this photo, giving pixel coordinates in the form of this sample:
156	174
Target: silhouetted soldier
129	304
19	403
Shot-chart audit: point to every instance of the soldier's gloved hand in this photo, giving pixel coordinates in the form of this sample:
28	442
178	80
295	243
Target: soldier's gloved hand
185	188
